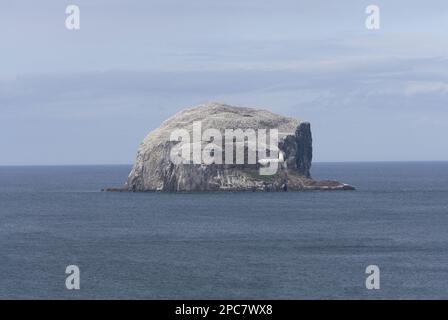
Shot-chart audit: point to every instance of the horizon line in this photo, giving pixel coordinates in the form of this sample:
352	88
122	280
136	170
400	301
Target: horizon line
130	164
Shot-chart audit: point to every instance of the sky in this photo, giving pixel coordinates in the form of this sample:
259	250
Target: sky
90	96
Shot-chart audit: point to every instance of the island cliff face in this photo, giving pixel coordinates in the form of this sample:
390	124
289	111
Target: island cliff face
154	169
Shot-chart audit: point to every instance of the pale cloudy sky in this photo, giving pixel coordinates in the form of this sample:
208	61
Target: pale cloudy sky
90	96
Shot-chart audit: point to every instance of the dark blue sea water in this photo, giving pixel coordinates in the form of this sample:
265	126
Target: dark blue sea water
225	245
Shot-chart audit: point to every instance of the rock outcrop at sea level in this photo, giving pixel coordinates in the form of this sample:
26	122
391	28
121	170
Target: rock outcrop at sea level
154	169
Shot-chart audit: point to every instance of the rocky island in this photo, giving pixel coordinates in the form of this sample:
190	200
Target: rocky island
155	170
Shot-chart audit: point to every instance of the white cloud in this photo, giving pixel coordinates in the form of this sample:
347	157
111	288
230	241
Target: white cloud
425	87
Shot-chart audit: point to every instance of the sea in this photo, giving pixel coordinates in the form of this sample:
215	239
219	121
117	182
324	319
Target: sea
287	245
